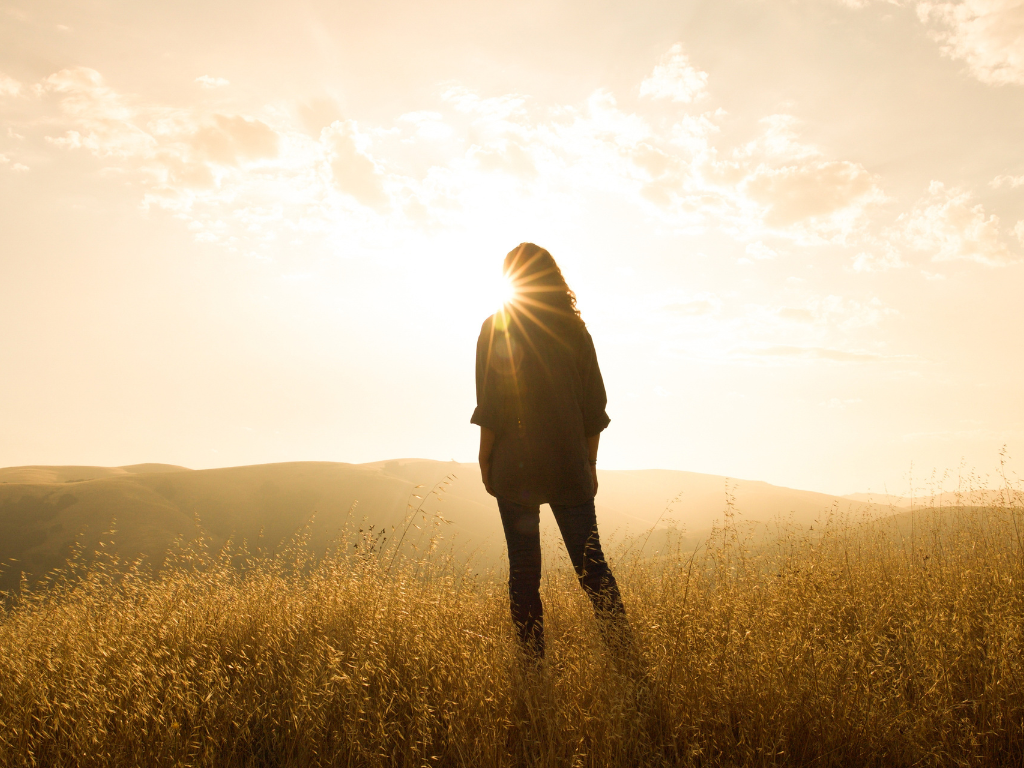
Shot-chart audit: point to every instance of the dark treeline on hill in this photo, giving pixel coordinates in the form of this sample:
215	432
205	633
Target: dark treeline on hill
141	510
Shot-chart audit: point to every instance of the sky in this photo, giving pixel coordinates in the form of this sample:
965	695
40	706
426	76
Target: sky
250	232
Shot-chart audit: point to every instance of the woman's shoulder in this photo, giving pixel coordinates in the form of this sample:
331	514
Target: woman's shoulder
499	321
585	344
488	324
581	336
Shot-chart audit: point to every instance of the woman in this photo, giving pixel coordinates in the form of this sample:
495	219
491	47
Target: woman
541	410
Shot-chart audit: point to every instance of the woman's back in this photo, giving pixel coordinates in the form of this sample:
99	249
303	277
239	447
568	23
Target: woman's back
539	389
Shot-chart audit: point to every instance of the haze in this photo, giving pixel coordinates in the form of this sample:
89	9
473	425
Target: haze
241	233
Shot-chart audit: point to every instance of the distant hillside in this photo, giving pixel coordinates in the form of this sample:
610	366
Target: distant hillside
74	474
43	509
971	498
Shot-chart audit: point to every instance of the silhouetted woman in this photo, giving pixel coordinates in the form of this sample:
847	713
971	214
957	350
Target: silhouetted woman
541	409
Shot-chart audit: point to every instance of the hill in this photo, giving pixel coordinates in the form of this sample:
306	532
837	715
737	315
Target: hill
44	475
974	497
43	509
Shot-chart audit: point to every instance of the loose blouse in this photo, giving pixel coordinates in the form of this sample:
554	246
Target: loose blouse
541	393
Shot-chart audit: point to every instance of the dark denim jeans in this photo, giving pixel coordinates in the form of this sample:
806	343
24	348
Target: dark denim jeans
578	525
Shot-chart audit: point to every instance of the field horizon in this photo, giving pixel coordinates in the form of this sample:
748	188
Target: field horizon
47	510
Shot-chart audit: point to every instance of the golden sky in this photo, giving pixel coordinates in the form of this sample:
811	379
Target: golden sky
245	232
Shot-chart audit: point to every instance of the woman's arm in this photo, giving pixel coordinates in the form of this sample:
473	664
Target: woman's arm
486	445
595	418
592	443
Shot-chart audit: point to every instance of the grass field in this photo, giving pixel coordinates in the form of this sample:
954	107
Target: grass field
897	642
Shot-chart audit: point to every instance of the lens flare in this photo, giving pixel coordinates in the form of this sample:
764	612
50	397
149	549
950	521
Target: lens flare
506	292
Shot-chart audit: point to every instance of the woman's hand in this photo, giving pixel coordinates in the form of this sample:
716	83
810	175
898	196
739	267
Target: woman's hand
485	475
592	444
486	444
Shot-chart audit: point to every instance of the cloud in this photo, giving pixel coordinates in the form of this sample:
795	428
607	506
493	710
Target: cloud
317	114
948	225
354	172
827	329
850	315
431	167
495	108
815	353
1007	181
186	174
812	190
104	122
212	82
9	86
231	139
16	167
883	259
429	125
77	80
651	159
1019	231
988	35
184	162
675	78
837	312
696	307
109	124
759	251
779	181
505	156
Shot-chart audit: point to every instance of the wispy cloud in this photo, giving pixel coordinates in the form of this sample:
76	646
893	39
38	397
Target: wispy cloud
9	86
881	258
815	353
212	82
948	224
704	304
1007	181
759	251
229	140
353	170
469	152
987	35
675	79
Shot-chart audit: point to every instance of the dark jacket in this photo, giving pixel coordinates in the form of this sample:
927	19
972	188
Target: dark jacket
543	397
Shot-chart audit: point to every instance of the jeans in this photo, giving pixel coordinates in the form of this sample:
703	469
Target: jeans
578	525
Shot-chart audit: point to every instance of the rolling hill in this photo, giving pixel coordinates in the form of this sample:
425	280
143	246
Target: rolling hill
148	506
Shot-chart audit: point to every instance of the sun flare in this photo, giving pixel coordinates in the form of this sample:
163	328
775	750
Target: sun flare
504	292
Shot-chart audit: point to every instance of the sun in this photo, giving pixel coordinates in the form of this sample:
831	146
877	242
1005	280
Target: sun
505	292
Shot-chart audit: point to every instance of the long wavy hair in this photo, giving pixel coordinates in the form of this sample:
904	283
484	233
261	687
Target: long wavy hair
541	293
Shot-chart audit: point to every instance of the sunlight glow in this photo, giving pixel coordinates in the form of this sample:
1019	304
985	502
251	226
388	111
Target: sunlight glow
505	291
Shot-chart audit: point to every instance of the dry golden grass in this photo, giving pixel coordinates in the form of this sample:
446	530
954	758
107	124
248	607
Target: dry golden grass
894	643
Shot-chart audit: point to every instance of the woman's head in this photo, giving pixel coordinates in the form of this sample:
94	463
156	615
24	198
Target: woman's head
540	289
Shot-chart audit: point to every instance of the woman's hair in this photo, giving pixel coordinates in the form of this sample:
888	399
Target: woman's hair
541	290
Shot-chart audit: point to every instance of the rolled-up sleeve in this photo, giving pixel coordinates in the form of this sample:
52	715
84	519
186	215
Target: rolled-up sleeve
487	408
595	418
